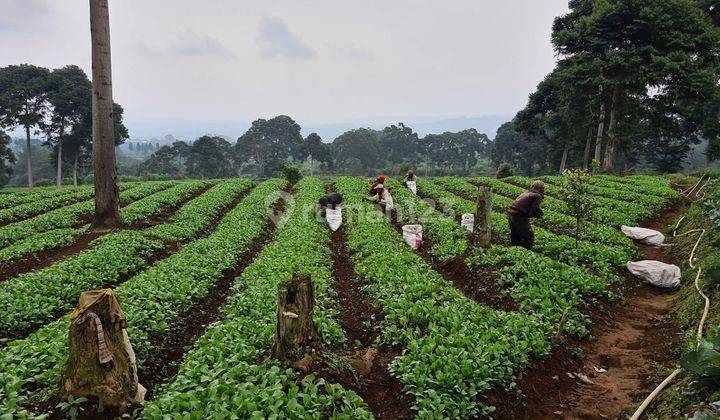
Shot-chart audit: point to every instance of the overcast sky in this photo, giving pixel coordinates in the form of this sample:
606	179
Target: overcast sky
319	61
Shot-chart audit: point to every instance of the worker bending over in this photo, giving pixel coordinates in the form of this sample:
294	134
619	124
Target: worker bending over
527	205
330	201
380	195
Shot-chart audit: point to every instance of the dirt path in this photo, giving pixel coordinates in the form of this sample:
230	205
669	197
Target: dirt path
369	376
632	339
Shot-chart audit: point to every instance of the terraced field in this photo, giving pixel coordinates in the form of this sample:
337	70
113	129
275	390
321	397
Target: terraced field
449	326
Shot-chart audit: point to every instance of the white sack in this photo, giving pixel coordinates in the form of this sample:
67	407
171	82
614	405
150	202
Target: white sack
656	273
412	235
334	218
468	221
643	235
412	185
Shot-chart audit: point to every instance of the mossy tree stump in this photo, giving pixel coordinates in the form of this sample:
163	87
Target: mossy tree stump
295	329
101	361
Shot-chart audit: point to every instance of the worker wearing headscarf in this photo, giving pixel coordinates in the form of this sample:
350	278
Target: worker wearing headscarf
526	206
377	186
411	176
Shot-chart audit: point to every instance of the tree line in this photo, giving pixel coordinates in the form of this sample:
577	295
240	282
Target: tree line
57	106
636	85
270	143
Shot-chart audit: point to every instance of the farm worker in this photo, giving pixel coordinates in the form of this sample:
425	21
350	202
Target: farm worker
411	181
527	205
377	186
330	201
381	195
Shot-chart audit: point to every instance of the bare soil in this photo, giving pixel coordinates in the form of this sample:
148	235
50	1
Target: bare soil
633	341
363	368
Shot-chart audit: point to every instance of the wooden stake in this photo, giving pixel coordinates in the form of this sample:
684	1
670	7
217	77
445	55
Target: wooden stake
563	318
295	328
482	227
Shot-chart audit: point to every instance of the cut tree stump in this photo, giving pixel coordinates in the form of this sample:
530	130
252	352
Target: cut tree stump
295	329
482	228
101	361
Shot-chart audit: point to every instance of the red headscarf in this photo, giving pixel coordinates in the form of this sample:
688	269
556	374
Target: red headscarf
381	179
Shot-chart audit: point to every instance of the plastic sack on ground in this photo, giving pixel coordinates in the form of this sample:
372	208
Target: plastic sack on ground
412	235
643	235
655	272
412	185
334	218
468	221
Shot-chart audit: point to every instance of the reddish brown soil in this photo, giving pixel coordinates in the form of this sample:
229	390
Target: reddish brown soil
163	362
480	286
632	339
382	392
46	258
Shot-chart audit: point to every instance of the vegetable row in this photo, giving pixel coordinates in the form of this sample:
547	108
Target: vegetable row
29	367
453	348
72	215
225	374
34	298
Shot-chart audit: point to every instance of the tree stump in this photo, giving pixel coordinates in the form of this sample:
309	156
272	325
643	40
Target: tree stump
482	227
101	361
295	328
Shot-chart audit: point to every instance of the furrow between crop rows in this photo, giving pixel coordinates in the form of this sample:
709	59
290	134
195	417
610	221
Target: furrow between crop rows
32	299
74	215
29	367
441	232
227	372
42	249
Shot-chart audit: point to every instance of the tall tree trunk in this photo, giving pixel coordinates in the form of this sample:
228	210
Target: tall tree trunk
599	136
107	194
75	168
563	161
588	142
28	155
612	135
58	180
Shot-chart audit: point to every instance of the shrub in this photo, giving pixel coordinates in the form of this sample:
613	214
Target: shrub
504	170
291	173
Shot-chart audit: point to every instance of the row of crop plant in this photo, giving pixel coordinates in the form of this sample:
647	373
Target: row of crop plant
29	367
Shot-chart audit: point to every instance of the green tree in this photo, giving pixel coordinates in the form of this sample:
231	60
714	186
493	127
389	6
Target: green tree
69	93
314	148
268	143
399	144
210	157
23	103
575	191
7	158
459	150
657	62
358	151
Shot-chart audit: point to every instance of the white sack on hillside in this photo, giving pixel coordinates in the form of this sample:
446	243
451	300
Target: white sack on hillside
412	235
334	218
468	222
643	235
656	273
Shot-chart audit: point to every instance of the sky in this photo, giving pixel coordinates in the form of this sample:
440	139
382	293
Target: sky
187	65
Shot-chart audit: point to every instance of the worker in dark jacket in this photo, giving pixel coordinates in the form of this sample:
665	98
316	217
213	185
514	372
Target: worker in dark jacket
527	205
331	201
